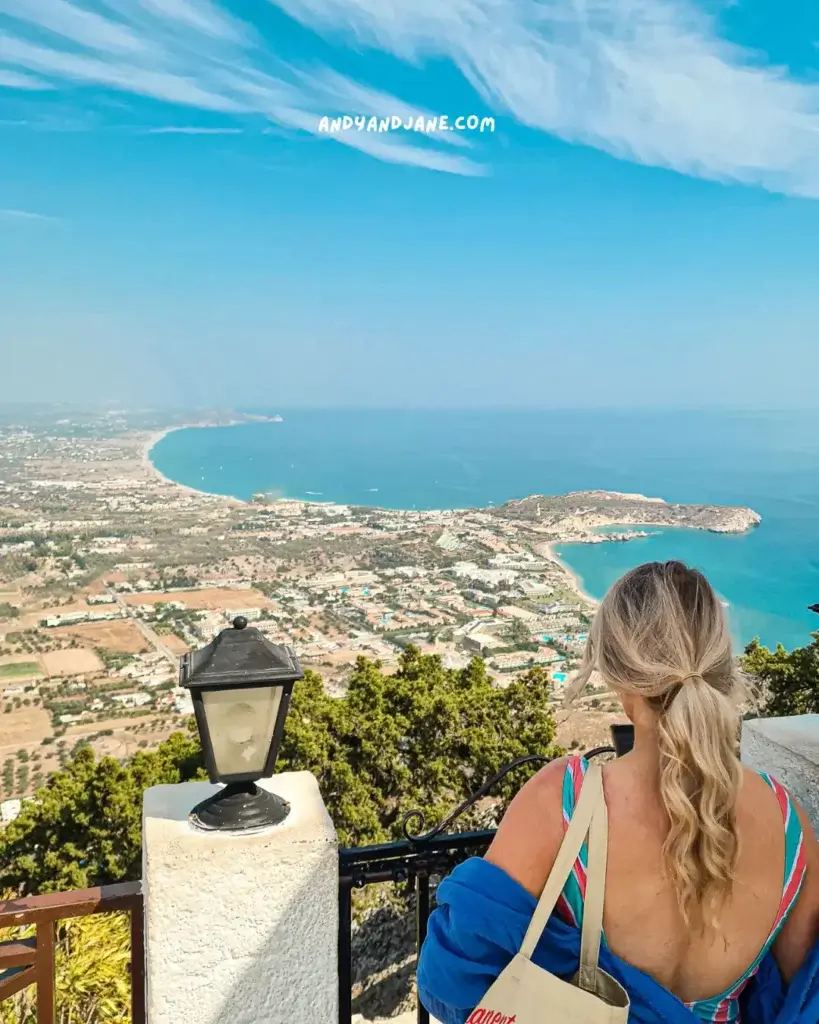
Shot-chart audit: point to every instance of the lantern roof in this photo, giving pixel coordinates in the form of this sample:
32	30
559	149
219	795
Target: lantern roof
240	656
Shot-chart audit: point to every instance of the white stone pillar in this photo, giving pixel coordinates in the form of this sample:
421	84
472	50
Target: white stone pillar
240	929
787	748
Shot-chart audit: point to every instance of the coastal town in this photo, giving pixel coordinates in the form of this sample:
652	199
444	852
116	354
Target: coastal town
109	572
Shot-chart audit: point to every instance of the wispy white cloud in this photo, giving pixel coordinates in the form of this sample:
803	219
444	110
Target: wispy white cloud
182	130
72	21
646	80
200	15
28	83
10	214
195	54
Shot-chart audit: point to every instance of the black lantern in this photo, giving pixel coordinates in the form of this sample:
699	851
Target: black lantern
241	686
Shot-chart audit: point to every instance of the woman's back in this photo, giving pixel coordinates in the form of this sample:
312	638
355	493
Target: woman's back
709	864
643	923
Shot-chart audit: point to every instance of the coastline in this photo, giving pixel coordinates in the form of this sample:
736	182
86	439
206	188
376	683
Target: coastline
575	581
153	439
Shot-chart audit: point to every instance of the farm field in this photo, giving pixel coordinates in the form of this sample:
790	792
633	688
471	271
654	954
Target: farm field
71	662
207	599
28	724
175	644
128	735
120	635
20	670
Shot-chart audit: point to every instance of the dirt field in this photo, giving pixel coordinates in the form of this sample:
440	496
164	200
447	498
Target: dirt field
146	722
120	635
70	662
587	728
123	743
21	727
175	644
207	599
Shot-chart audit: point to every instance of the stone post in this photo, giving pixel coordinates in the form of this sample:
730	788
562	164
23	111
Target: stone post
240	929
787	748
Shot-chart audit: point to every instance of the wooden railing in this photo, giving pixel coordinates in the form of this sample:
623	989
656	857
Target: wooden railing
30	961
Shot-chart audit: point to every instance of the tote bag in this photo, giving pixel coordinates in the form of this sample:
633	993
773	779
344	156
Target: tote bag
524	993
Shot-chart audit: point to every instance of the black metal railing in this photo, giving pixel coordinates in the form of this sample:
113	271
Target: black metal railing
414	860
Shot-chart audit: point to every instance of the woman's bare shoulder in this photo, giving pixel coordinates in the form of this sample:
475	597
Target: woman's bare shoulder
531	831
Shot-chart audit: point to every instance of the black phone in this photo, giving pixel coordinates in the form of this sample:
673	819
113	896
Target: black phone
622	738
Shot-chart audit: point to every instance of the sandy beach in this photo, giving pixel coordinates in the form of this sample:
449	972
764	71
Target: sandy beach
153	439
574	580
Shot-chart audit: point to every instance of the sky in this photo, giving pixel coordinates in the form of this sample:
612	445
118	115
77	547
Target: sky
636	226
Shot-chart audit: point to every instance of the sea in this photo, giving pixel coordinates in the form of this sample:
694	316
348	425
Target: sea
435	459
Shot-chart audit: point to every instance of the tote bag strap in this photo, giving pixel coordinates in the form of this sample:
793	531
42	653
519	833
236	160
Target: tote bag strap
592	930
591	794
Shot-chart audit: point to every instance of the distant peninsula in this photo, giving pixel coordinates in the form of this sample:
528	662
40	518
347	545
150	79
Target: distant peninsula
583	512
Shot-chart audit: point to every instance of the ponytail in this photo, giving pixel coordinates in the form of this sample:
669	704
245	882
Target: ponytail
700	780
660	634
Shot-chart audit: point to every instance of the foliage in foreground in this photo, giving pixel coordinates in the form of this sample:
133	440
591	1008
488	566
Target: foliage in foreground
91	970
789	680
424	737
83	828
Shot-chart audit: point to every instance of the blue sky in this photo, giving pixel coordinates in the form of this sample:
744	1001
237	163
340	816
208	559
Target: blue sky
641	229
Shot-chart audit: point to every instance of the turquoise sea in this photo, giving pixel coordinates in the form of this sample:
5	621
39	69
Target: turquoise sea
398	459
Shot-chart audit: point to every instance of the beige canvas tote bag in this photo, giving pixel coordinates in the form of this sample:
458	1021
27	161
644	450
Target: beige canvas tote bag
526	994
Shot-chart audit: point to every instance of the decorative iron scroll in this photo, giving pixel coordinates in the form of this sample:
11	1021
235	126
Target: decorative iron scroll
418	816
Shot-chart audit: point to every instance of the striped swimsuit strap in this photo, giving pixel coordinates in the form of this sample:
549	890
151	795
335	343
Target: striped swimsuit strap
722	1008
570	904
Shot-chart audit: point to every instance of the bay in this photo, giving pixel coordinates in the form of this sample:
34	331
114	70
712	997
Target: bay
459	459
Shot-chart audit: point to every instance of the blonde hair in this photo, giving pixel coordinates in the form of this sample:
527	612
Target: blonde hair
660	633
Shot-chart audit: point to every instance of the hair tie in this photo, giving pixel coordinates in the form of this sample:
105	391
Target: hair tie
667	699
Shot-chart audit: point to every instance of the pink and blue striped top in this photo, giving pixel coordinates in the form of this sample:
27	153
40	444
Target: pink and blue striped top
722	1008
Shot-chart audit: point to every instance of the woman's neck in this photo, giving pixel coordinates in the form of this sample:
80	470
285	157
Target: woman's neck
644	756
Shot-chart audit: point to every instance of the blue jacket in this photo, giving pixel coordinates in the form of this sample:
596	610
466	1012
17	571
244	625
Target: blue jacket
480	922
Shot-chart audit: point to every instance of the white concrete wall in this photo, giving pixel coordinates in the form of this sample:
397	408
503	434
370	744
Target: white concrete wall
240	929
787	748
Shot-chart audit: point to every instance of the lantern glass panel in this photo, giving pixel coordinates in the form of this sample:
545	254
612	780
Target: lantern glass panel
241	722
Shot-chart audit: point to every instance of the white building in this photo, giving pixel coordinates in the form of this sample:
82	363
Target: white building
71	618
251	614
183	702
490	577
9	810
132	700
535	588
